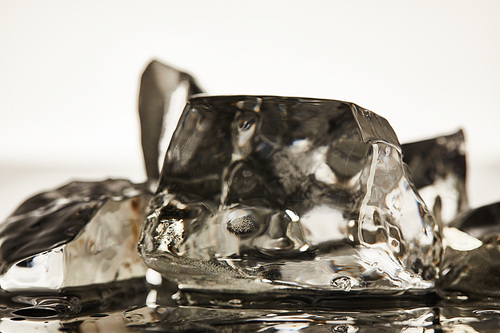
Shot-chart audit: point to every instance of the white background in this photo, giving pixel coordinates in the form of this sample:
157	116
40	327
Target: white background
69	74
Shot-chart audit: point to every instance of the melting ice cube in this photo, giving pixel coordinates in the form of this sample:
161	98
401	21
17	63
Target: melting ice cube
79	234
261	193
163	94
473	270
438	170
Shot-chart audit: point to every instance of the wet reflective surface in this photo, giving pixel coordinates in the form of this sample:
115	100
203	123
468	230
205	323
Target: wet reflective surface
134	307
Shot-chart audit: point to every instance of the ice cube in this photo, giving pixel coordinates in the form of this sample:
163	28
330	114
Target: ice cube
162	96
482	222
473	270
79	234
266	193
438	170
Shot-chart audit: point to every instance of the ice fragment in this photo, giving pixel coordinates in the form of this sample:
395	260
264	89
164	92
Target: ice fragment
79	234
438	171
473	270
163	94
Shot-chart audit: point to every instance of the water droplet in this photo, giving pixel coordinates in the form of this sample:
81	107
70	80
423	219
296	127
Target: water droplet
342	282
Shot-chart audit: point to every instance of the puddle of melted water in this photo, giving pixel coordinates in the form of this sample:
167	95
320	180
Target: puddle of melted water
133	306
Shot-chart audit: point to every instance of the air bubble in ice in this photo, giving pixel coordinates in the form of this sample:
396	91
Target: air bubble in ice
342	282
241	225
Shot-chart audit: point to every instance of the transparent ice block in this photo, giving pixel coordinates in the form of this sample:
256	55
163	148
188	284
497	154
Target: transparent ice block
82	233
271	193
438	171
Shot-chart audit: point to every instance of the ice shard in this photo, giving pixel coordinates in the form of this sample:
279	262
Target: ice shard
163	93
438	171
79	234
471	260
270	193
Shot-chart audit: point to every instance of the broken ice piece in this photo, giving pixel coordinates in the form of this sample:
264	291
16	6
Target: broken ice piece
266	193
474	270
438	171
163	93
482	222
79	234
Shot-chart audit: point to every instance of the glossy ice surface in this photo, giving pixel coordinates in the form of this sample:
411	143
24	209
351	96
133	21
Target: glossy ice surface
438	170
162	96
128	309
266	193
471	263
82	233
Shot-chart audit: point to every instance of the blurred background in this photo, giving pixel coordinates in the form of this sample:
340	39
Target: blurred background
69	74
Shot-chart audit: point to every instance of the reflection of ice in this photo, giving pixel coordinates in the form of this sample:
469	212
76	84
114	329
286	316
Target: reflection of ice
265	192
379	319
79	234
